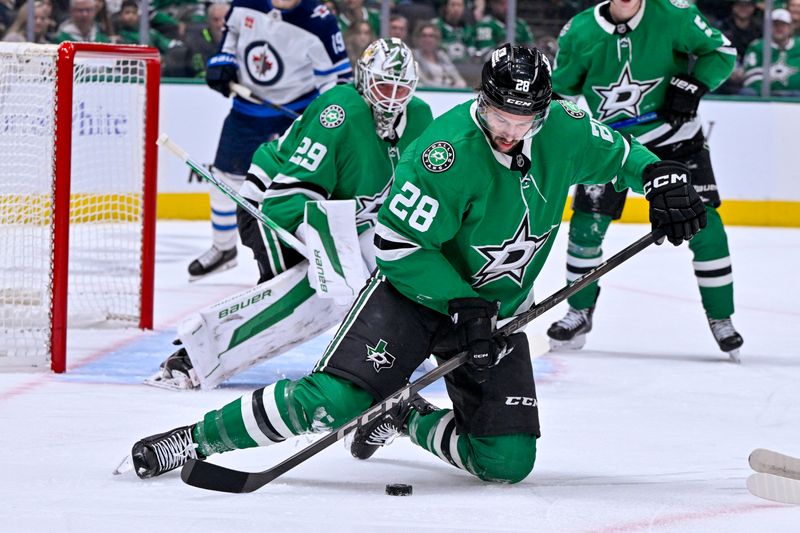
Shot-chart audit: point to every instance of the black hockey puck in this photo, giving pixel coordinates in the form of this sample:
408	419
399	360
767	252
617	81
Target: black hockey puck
398	489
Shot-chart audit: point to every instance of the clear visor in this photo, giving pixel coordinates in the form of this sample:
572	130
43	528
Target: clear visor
507	125
390	95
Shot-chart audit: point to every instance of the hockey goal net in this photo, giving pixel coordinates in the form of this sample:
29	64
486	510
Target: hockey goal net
78	127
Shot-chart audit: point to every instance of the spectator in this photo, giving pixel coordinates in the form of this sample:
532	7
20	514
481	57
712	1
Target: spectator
356	39
794	9
548	46
491	29
201	42
352	11
398	27
434	66
81	25
129	28
18	30
741	26
332	7
785	68
458	36
103	20
7	15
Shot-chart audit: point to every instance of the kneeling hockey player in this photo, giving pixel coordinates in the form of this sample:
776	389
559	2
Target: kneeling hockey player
470	218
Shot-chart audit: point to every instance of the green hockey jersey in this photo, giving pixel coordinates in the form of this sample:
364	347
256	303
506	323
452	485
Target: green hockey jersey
624	70
332	152
784	70
490	31
457	41
459	222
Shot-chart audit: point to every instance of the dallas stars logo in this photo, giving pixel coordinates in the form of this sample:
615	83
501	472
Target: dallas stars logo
511	258
623	96
780	71
332	116
379	357
439	156
367	206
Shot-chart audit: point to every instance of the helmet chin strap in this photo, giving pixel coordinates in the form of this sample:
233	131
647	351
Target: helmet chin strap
385	125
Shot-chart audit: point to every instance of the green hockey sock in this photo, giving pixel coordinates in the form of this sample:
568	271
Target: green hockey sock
585	252
503	458
712	267
272	414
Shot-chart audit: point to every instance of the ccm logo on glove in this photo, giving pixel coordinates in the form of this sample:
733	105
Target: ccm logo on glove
661	181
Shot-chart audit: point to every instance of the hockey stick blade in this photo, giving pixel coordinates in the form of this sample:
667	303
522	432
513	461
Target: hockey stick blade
776	488
771	462
205	475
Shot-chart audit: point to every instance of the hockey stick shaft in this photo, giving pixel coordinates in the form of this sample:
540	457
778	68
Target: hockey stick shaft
641	119
247	94
209	476
227	190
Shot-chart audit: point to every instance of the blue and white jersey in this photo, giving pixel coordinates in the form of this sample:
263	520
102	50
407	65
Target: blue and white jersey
284	56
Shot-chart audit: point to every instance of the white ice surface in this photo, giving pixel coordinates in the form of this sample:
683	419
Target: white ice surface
648	428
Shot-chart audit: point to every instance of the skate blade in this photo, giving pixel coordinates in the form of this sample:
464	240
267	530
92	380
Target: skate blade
222	268
125	466
734	356
161	382
576	343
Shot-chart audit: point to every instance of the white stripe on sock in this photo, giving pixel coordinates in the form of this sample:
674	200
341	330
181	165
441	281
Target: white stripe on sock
250	423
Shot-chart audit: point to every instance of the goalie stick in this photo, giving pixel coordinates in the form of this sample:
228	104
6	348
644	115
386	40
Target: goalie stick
210	476
777	476
285	236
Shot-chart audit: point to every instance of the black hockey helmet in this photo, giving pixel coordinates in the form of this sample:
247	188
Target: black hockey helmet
516	79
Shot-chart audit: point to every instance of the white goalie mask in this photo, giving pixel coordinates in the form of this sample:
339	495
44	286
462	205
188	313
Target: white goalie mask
386	75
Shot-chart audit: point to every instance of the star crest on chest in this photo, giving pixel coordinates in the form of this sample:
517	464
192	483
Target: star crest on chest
367	206
781	71
511	257
623	96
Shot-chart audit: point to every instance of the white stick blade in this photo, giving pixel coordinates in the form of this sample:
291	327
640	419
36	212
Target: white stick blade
774	488
771	462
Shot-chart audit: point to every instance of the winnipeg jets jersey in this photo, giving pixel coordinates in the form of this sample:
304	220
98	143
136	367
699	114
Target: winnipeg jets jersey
285	54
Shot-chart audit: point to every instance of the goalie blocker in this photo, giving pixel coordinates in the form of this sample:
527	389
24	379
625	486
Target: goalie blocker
273	317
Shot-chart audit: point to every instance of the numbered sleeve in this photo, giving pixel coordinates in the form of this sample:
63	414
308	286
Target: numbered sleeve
608	156
420	215
329	57
309	172
716	56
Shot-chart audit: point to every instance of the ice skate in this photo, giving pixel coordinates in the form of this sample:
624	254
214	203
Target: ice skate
212	261
385	428
157	454
175	373
569	333
727	337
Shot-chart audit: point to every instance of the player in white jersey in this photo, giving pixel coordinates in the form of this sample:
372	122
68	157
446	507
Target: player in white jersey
286	52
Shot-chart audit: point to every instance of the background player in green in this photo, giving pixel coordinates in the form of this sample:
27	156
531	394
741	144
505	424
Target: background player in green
621	58
472	213
785	67
345	146
491	29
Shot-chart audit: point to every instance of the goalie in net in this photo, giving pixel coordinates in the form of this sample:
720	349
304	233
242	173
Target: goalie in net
323	180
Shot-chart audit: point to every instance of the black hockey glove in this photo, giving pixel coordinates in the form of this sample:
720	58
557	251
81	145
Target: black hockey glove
675	207
682	98
221	70
475	320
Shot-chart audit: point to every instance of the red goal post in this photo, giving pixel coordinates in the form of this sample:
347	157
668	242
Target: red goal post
78	123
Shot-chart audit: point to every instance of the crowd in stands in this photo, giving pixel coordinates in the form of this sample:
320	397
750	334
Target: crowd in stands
450	38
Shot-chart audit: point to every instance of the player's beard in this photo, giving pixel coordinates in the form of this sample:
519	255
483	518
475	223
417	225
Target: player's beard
503	145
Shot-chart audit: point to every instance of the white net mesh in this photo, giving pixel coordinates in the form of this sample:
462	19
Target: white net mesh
106	195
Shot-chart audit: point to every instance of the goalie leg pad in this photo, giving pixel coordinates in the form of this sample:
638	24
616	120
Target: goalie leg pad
256	325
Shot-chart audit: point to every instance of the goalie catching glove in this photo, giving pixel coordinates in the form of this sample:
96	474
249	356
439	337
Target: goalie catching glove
474	320
675	207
